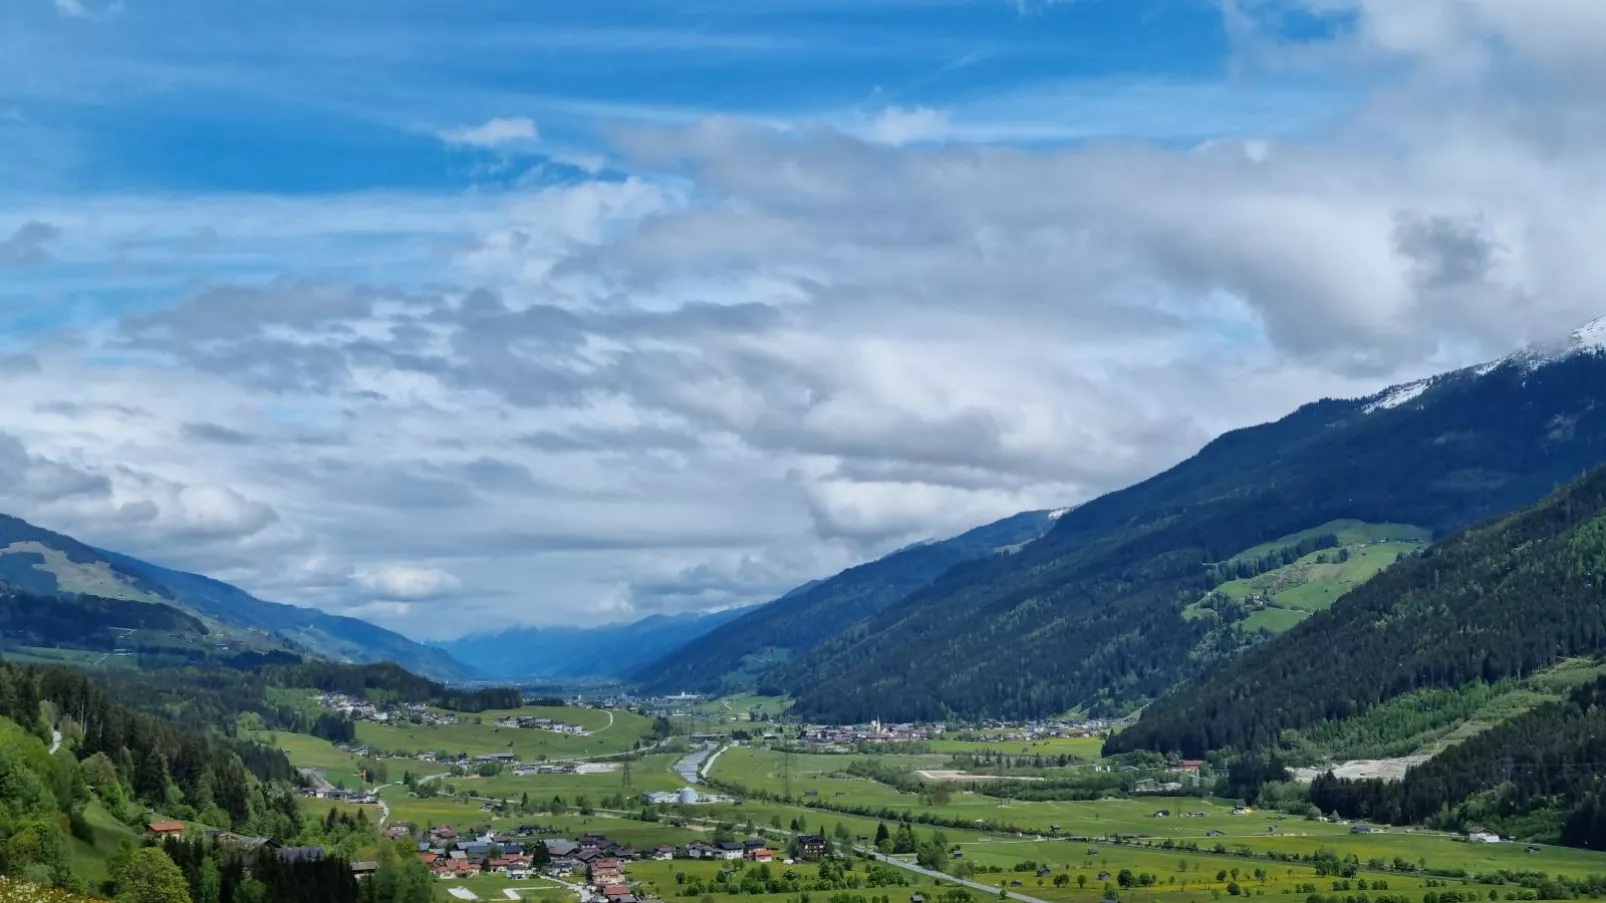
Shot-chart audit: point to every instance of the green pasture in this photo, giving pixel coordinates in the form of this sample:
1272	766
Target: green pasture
1080	747
647	773
106	832
479	735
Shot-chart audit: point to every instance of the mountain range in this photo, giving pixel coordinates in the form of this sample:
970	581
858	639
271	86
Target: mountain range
611	651
1102	614
46	563
734	655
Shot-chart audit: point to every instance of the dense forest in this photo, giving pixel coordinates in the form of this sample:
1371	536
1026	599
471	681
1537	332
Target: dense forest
736	653
1500	601
85	622
1091	613
1537	775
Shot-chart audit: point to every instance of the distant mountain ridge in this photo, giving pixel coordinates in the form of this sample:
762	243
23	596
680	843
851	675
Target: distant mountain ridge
45	562
1089	617
737	654
612	650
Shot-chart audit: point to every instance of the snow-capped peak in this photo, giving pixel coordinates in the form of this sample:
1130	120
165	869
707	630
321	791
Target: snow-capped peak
1589	338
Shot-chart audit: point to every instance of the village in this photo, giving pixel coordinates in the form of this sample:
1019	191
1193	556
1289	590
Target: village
591	864
358	709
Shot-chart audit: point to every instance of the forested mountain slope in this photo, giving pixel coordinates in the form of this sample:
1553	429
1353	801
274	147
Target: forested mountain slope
1090	615
734	654
1504	599
41	561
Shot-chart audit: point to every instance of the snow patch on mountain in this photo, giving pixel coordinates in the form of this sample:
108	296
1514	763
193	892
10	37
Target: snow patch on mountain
1398	395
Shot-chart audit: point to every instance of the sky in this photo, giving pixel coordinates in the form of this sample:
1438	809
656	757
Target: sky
460	316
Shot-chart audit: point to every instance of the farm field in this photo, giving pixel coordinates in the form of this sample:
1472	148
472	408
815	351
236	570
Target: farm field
649	772
742	703
338	766
612	732
1090	748
1102	818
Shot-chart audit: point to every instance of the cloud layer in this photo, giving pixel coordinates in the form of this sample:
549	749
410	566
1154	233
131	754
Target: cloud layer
735	353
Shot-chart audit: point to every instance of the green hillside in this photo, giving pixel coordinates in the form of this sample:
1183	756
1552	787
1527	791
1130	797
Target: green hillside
1275	600
1091	616
736	655
42	562
1504	600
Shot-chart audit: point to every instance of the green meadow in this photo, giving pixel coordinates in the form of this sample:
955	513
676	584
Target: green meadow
612	732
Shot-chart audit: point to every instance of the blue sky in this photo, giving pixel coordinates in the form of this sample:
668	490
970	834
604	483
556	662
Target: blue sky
470	314
298	98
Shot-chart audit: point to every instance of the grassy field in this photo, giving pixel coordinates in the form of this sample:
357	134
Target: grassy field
1081	747
611	732
742	703
1101	818
337	766
1314	582
89	858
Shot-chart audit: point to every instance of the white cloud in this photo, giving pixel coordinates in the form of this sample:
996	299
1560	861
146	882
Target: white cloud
406	582
493	132
77	9
773	350
899	126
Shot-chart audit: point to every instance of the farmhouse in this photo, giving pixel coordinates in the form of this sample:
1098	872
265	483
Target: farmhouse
811	846
164	829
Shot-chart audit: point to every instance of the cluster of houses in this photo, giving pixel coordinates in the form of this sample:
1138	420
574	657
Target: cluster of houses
333	794
541	724
591	863
360	709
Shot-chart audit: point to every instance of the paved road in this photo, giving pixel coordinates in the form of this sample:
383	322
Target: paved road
975	885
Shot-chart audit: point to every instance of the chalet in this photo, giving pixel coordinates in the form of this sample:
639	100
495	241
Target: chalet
812	846
754	844
616	892
443	833
398	831
165	829
699	850
364	868
762	854
664	853
1044	873
605	871
1363	829
730	849
428	858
